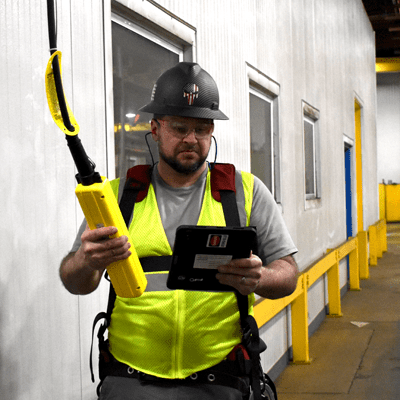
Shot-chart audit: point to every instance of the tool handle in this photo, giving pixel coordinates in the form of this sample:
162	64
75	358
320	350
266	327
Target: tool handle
101	208
86	168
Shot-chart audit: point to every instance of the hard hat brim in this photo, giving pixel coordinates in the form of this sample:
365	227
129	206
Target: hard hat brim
190	111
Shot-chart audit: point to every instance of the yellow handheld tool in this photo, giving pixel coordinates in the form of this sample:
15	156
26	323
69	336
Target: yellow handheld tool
100	207
94	192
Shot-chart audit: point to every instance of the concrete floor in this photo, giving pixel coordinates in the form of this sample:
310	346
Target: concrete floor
357	356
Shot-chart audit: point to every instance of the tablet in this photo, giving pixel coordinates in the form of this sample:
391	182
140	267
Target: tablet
200	250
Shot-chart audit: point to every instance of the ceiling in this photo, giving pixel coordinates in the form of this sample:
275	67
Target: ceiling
385	19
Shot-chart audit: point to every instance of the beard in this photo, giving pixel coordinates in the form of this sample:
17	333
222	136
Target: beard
178	166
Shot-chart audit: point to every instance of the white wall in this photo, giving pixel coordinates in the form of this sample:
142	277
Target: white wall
45	330
318	51
388	126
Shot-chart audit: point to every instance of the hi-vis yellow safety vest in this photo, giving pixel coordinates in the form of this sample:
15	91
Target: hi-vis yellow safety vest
174	333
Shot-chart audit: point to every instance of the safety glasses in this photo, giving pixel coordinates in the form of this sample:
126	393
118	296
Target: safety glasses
202	130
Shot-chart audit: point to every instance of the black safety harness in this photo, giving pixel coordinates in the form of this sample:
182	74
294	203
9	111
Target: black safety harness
245	356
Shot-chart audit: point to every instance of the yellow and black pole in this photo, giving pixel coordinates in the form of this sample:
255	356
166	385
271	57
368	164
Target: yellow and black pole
94	192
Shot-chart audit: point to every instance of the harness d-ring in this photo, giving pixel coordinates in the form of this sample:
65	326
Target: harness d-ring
211	377
194	376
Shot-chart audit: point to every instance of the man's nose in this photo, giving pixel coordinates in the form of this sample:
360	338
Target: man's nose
190	136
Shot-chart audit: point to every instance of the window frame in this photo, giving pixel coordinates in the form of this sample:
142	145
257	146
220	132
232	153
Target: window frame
313	193
311	115
266	88
266	99
164	42
163	28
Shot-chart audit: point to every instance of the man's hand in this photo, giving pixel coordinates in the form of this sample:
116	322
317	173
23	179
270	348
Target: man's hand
98	251
81	272
277	279
243	274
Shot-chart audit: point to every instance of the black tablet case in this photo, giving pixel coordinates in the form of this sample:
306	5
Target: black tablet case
199	250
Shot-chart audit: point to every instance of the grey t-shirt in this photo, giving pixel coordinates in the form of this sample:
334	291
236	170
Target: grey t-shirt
181	206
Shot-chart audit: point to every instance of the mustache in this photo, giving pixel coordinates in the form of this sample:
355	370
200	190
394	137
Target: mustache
186	147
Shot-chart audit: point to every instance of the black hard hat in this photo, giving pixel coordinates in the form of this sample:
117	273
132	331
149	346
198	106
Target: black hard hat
185	90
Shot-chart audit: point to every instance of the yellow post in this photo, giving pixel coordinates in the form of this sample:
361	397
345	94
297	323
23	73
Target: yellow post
354	267
301	351
382	201
359	170
384	236
379	251
363	254
373	245
335	309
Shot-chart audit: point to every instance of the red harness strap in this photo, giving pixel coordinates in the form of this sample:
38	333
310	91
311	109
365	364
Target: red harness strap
139	177
222	178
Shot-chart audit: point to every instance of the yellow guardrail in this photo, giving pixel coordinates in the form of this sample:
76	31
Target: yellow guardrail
357	250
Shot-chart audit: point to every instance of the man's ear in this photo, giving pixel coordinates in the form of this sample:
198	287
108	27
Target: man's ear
154	129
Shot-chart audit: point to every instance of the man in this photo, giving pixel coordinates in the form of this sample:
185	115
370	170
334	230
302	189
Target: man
167	338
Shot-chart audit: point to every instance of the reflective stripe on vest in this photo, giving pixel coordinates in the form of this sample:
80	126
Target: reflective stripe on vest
174	333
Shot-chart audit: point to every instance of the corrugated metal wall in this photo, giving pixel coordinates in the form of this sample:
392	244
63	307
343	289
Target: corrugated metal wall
318	51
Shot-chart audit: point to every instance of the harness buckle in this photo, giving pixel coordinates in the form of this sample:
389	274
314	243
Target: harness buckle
241	357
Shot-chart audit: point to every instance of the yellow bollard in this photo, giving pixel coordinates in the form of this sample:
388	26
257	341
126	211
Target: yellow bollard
335	309
384	236
373	253
300	343
363	254
354	268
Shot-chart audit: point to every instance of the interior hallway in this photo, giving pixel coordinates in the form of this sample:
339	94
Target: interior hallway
357	356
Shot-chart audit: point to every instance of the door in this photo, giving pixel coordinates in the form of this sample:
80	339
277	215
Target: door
347	172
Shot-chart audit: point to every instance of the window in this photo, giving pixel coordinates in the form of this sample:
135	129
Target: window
139	58
264	140
261	135
311	152
264	129
309	157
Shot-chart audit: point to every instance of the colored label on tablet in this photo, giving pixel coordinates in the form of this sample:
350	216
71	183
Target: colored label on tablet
215	240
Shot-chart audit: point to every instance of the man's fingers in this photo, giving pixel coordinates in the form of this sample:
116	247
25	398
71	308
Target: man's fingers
247	267
241	271
117	251
112	249
99	234
113	243
244	286
242	274
100	250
